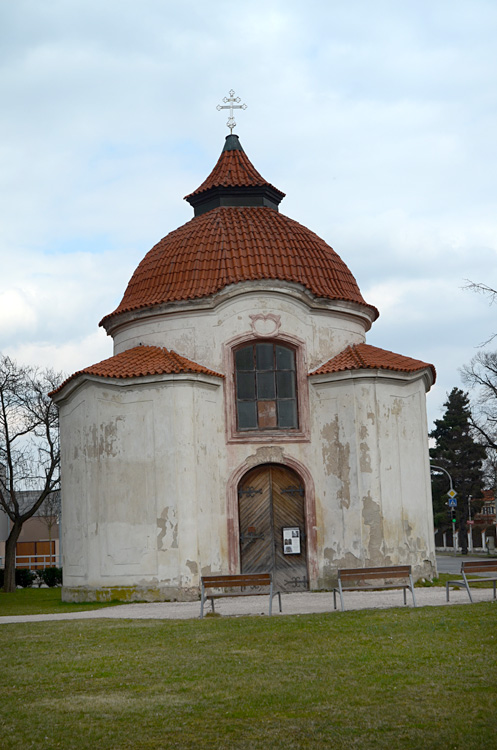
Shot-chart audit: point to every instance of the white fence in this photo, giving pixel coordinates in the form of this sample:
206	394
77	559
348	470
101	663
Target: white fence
487	543
36	562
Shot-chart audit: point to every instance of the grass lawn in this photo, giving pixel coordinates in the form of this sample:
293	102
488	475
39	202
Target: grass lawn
34	601
401	678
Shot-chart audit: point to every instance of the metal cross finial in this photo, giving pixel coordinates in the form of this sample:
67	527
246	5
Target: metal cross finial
231	103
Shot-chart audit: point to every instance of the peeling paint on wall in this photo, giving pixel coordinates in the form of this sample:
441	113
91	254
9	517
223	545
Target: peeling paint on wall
193	566
396	407
166	526
266	455
364	456
336	458
371	517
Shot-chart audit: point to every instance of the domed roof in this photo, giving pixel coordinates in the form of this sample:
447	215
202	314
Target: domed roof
237	235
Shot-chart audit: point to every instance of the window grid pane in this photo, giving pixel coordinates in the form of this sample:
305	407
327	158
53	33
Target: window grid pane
285	359
245	382
266	387
266	390
265	356
285	383
247	415
287	414
245	358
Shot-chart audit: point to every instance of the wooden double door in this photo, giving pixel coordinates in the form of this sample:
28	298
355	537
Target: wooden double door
271	506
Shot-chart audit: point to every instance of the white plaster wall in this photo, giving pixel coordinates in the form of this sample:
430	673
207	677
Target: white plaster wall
373	492
199	333
141	495
74	476
145	469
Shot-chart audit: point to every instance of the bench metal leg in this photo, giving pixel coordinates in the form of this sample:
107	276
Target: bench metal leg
411	582
467	586
271	595
464	582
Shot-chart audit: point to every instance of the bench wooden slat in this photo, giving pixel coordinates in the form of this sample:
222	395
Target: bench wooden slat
475	567
241	582
385	573
245	580
398	571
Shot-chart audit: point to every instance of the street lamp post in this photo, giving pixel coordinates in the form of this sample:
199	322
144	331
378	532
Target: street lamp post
452	494
470	524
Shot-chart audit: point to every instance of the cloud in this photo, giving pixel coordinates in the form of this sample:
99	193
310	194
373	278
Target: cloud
377	120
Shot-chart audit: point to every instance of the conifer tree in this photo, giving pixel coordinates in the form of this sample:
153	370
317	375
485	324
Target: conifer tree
462	457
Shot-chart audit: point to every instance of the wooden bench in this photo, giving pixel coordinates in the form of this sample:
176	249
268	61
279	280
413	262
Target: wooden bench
213	584
353	579
474	568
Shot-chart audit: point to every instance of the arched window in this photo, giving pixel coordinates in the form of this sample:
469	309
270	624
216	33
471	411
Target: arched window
266	390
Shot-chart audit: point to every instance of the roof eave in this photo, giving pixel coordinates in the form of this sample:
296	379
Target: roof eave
426	373
253	195
78	380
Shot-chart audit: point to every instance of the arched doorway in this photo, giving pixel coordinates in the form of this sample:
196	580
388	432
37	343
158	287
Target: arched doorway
271	511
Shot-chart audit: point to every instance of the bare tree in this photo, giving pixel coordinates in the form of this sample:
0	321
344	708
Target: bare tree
29	448
481	375
482	289
487	291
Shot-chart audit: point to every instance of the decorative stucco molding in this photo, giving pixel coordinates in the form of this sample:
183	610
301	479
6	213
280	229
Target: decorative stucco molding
265	325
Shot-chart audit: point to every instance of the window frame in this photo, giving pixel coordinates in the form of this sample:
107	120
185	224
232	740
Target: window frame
301	433
260	381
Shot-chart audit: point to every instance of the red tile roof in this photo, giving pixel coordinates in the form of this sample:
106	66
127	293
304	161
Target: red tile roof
233	169
228	245
367	357
140	361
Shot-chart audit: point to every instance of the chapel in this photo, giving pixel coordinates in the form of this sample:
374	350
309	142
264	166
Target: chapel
243	424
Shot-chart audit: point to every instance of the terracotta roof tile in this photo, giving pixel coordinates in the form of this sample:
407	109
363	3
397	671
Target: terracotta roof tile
231	244
140	361
367	357
233	169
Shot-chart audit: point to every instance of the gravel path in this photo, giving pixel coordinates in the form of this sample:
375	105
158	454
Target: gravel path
292	604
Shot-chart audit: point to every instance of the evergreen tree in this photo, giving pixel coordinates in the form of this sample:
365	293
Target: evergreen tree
462	457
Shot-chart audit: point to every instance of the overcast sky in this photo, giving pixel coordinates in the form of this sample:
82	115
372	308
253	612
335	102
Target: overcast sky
377	119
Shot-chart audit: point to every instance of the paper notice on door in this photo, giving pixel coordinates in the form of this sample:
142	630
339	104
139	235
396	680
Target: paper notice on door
291	541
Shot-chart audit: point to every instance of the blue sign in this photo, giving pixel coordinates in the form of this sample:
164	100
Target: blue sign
452	502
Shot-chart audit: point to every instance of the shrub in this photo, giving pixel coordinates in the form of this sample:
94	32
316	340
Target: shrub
24	577
1	577
51	576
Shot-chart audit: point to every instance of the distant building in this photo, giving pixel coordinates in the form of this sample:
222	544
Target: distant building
486	516
38	543
243	422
